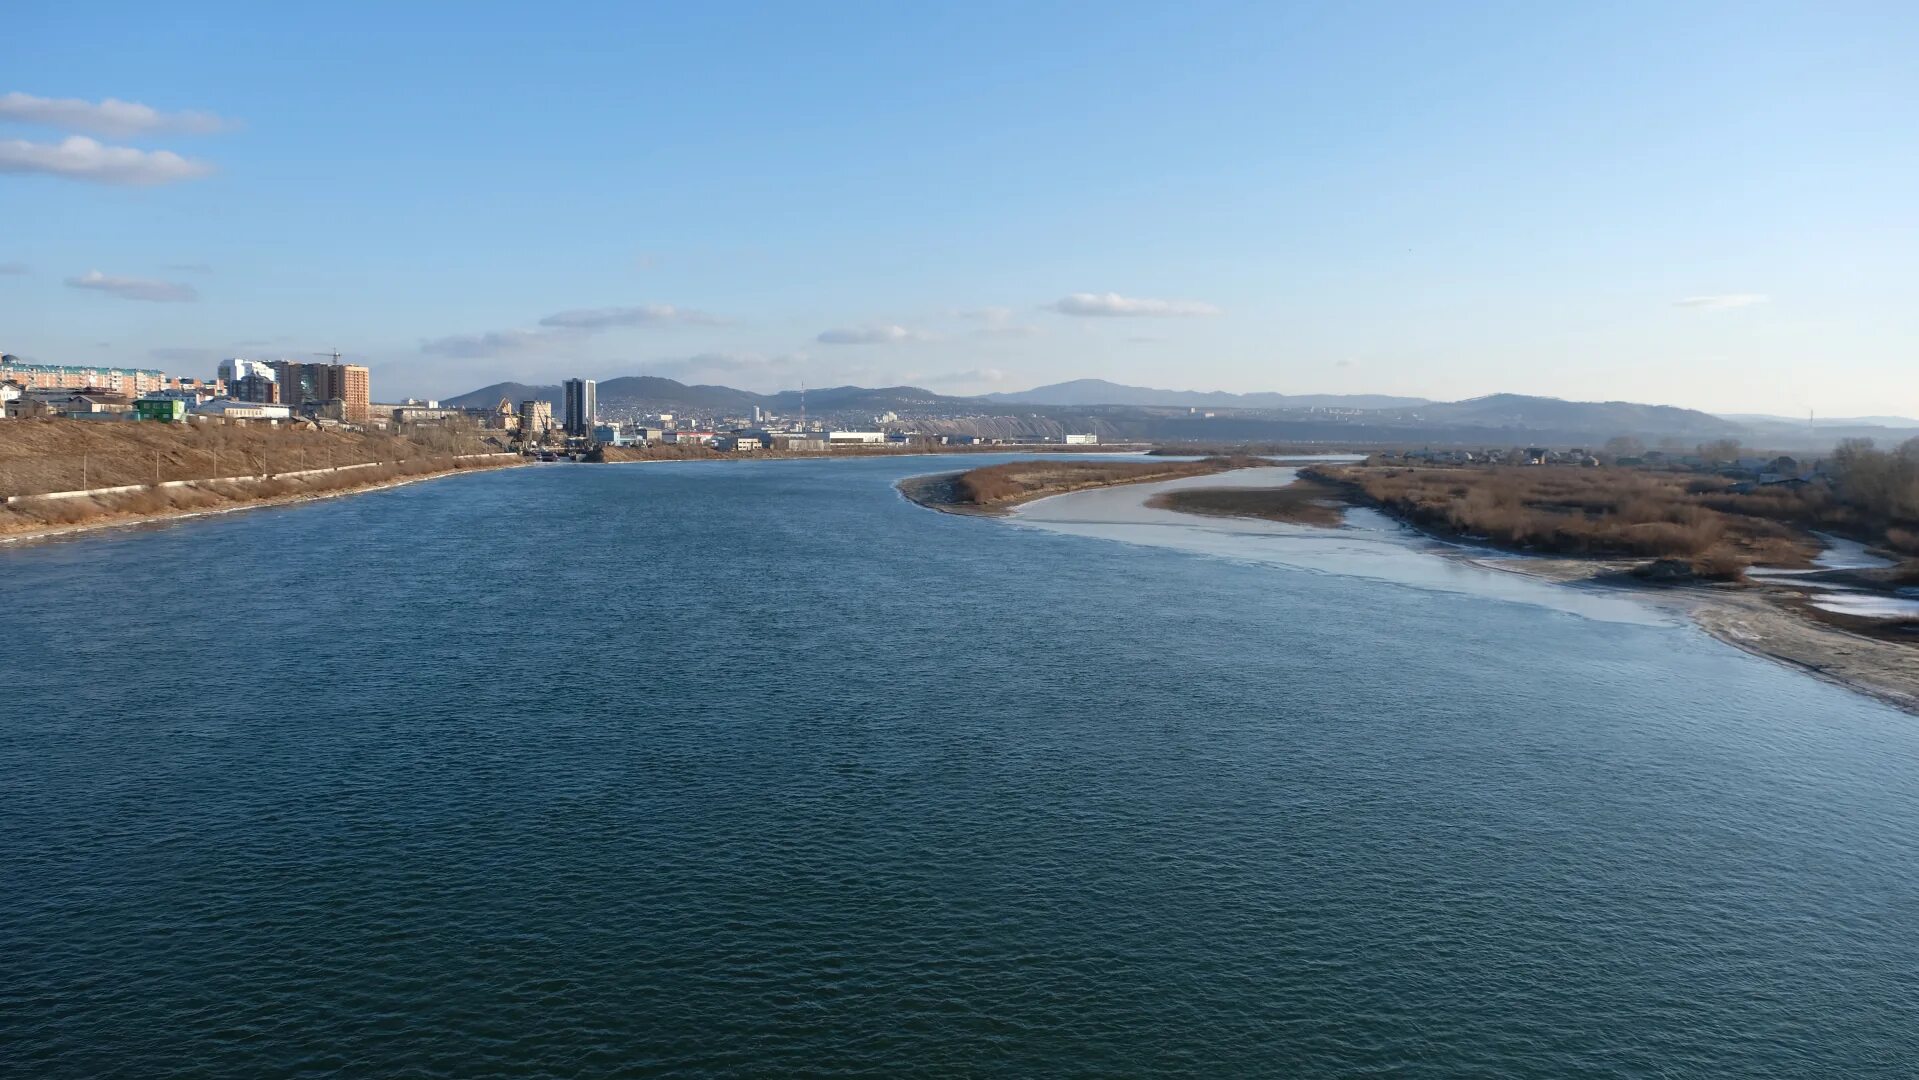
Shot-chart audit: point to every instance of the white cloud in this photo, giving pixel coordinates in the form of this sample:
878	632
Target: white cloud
560	329
490	344
638	315
1722	302
109	117
1113	304
8	269
81	158
127	288
869	335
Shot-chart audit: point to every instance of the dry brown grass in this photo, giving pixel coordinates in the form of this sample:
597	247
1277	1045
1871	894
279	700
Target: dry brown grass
38	456
33	515
1598	512
1022	481
1302	502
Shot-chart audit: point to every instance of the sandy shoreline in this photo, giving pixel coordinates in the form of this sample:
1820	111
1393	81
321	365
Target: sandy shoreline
1756	618
936	491
1760	618
136	520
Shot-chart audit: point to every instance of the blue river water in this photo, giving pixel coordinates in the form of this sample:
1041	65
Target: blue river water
752	769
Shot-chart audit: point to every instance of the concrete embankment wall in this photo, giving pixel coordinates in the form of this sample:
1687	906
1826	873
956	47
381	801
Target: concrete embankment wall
128	489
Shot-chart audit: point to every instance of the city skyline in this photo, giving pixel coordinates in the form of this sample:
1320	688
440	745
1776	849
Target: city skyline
1701	207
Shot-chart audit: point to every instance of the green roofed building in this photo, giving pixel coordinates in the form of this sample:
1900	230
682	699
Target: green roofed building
170	410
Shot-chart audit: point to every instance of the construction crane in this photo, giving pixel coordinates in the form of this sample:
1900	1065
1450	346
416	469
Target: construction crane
335	354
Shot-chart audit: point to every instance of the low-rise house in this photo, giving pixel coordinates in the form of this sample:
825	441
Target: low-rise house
229	409
89	404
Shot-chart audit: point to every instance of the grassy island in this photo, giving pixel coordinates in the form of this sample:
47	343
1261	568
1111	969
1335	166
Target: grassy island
996	488
1607	513
1302	502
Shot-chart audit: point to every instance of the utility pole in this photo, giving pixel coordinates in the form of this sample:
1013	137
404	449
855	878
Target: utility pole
83	470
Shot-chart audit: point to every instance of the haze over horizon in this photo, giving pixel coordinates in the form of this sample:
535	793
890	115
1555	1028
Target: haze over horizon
1707	207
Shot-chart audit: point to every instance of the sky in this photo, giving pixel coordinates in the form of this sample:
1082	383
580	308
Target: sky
1710	205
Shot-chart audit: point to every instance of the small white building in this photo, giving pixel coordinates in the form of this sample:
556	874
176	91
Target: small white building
856	438
1082	440
229	409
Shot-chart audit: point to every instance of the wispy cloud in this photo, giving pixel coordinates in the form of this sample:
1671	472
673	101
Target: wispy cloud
752	369
637	315
1008	331
127	288
869	335
999	323
1113	304
80	158
1722	301
109	117
493	343
190	268
562	329
9	269
970	377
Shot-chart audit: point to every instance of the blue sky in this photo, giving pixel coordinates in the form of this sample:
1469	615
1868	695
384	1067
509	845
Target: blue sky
1708	205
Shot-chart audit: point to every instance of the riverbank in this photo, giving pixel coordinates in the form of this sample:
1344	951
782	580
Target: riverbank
1767	619
994	490
703	452
26	522
1768	616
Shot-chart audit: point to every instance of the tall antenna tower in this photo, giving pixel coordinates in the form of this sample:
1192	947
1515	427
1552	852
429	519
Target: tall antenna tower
802	404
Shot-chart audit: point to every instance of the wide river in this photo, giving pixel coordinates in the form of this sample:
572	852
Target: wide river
756	769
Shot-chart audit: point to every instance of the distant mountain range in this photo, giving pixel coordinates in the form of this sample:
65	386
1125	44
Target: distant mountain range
1101	392
655	394
1132	413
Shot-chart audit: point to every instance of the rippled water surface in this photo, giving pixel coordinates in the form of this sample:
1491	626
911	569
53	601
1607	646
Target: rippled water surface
747	769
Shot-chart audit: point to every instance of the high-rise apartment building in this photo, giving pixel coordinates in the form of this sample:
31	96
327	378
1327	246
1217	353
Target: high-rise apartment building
313	387
236	368
350	383
582	406
255	387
